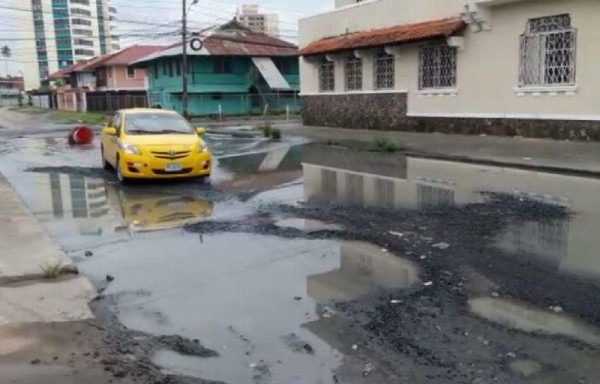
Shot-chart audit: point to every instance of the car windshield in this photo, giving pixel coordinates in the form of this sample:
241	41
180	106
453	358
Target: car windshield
156	123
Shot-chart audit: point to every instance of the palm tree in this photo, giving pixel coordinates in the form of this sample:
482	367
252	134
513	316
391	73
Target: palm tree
6	52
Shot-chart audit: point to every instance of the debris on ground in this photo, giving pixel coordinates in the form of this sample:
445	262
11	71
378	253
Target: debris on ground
296	344
109	278
441	246
184	346
367	369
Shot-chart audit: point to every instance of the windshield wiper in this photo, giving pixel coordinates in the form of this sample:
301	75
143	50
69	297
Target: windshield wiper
139	131
172	131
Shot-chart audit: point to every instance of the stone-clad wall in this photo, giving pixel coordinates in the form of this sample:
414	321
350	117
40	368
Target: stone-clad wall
387	111
377	111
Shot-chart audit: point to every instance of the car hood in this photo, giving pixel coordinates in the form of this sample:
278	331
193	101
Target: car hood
163	140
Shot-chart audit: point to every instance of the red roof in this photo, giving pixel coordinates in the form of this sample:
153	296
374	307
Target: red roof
127	56
236	39
407	33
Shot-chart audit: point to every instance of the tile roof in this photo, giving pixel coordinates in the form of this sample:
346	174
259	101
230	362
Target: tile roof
128	55
231	39
406	33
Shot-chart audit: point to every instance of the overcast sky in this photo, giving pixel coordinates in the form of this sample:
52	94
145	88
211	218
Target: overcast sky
148	21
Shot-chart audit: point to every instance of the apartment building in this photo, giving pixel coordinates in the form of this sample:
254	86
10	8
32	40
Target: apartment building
59	33
250	16
518	67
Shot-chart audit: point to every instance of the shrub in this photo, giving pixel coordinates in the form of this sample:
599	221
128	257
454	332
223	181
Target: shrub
276	134
267	129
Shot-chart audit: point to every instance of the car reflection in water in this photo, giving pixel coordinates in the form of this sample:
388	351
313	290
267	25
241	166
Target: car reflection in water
146	211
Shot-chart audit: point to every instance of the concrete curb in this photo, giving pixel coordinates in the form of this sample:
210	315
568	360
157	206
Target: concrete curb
482	161
25	296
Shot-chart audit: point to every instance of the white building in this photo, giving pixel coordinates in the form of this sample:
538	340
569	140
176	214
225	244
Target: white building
60	33
508	67
267	23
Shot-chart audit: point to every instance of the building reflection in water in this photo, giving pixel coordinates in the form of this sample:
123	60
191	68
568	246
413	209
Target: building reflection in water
95	205
343	176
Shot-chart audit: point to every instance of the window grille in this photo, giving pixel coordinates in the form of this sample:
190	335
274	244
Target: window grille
384	71
548	52
354	73
327	77
437	67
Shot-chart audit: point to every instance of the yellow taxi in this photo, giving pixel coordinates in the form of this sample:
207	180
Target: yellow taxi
154	144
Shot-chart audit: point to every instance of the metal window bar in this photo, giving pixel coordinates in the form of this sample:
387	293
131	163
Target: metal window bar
385	71
354	73
327	77
548	58
437	67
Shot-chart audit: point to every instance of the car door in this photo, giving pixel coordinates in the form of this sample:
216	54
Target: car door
111	143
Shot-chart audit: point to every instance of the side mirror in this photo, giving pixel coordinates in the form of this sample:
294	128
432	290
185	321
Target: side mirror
200	131
109	131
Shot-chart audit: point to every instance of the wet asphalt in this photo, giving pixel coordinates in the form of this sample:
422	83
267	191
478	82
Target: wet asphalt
306	263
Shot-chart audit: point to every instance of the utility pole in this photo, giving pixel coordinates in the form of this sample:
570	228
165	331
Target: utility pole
184	69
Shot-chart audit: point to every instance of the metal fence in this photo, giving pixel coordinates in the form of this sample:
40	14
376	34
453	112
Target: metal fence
110	103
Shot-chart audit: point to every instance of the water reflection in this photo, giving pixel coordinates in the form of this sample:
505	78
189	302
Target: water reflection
364	269
517	315
96	205
421	184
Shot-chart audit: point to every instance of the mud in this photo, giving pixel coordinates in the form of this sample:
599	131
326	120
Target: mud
124	352
429	326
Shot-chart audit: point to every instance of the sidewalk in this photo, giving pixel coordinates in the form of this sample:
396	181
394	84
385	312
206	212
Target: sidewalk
39	318
550	155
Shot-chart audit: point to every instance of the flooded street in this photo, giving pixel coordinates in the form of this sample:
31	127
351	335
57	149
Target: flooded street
315	264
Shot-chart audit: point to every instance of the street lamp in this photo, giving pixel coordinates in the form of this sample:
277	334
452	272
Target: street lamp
184	66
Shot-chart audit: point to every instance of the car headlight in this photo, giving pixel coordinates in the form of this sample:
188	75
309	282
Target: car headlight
130	149
202	147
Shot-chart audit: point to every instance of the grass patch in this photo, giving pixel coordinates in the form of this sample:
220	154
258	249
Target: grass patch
86	118
52	269
384	144
68	116
268	131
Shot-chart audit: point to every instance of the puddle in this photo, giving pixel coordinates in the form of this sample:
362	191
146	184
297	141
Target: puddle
246	296
307	225
364	269
516	315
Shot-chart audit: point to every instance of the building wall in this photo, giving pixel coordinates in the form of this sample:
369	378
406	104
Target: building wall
120	81
488	69
487	98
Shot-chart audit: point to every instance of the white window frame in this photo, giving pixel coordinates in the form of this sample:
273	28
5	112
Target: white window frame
353	74
441	59
548	40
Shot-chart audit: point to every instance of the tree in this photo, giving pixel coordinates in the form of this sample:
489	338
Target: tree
6	52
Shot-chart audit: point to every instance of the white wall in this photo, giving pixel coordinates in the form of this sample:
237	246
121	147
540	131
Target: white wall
487	66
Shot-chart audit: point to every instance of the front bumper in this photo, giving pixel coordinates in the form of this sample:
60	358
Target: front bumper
144	167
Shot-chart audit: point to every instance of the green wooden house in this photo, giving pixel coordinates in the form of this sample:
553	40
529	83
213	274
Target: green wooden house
237	71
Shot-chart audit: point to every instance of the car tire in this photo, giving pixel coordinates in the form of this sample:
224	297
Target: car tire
122	179
105	164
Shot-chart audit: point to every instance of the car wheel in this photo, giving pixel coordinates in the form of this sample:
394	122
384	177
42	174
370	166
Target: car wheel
122	179
105	164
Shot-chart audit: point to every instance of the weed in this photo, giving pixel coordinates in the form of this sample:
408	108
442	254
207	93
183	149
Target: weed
52	269
385	144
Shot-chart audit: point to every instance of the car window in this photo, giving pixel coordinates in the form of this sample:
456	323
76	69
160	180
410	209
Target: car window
117	123
112	120
156	123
